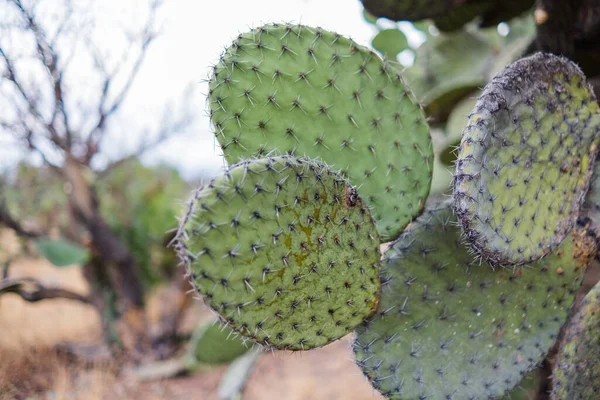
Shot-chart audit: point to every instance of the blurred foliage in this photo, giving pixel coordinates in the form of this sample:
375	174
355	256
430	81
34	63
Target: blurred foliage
139	203
61	253
443	72
36	196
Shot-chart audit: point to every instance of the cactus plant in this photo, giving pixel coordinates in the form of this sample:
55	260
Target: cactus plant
447	327
284	250
577	374
310	92
525	160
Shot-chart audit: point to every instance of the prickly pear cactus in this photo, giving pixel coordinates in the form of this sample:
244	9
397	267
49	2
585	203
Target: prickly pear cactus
310	92
525	160
284	250
577	372
450	328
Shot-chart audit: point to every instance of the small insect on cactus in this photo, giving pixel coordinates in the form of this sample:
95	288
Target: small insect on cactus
331	155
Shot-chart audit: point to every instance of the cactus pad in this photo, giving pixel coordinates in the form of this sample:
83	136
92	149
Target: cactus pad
525	160
284	250
449	328
577	372
310	92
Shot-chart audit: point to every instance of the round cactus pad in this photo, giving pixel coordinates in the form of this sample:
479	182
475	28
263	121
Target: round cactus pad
577	372
284	250
292	89
525	160
448	327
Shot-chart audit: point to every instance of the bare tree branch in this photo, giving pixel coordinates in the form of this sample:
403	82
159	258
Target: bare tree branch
49	58
105	110
33	291
167	131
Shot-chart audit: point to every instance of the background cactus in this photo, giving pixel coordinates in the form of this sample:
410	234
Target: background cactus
450	15
525	160
578	365
443	73
448	327
214	343
310	92
284	250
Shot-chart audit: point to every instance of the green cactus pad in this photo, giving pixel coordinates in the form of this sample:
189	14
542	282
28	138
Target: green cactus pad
284	250
448	327
310	92
213	343
577	372
525	160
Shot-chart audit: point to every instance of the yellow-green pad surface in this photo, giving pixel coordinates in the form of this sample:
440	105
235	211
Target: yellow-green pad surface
284	250
448	327
525	160
313	93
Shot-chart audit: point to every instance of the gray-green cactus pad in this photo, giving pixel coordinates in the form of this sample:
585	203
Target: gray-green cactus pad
525	160
284	250
577	372
448	327
310	92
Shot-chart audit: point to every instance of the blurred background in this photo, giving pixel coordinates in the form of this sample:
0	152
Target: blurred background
103	134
